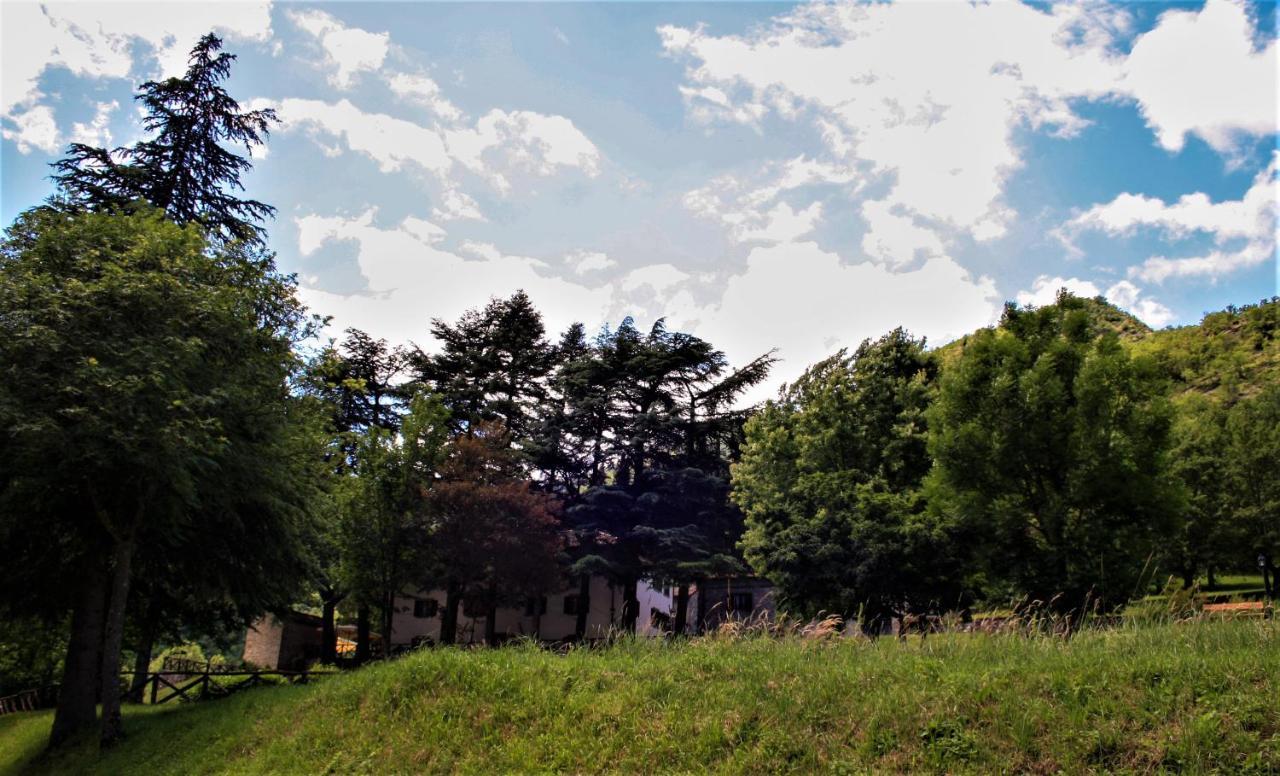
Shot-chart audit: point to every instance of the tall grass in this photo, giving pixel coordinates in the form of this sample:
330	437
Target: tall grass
1192	696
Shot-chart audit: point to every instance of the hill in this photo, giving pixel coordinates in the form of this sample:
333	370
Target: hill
1230	354
1195	696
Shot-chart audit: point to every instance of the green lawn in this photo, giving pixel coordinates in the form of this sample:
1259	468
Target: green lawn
1197	697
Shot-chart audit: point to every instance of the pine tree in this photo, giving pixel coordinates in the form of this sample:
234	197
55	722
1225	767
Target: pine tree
185	167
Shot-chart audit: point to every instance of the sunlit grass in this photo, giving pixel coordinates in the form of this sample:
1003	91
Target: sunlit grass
1200	696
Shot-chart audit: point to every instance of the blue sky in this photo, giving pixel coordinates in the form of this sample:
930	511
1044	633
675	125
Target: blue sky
764	175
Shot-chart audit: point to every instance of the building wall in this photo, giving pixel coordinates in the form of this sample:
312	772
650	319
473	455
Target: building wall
714	600
289	644
604	614
262	642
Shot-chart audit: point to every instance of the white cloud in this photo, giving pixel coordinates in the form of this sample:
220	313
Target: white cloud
348	51
584	262
1198	72
101	40
926	97
391	142
750	209
928	94
1044	290
807	303
535	142
896	239
1125	295
34	128
97	131
411	278
499	144
1243	230
455	204
660	278
1129	297
422	90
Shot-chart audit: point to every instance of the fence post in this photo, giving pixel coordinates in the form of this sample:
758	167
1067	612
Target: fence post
155	687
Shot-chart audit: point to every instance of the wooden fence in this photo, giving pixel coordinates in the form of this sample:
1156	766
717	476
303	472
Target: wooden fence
210	682
204	683
28	700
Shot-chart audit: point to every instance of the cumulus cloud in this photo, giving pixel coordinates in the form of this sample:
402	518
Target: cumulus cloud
497	145
1198	72
34	128
422	90
348	51
928	95
925	98
412	278
1124	294
807	302
585	262
97	40
1243	231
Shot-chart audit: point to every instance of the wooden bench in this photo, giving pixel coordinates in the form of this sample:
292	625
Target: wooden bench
1238	609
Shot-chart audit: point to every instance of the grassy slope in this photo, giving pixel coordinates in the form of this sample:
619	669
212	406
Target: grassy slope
1197	697
1230	354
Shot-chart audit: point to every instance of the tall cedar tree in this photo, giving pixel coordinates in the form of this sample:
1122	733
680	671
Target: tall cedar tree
1050	439
647	408
185	168
495	540
146	393
491	366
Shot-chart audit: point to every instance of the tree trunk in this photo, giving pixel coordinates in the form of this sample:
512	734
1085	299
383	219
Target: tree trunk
142	658
328	630
388	621
362	633
630	606
491	618
1188	578
584	607
682	610
1212	577
112	638
449	619
78	697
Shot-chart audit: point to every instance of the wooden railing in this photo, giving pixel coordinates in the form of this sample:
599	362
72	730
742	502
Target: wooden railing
205	684
27	700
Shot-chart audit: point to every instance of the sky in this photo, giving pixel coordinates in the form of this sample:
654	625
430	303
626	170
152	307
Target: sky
763	175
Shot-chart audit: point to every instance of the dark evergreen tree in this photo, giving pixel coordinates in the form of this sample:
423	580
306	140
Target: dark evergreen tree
185	168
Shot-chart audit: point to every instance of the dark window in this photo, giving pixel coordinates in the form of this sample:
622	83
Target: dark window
425	607
574	603
741	603
535	605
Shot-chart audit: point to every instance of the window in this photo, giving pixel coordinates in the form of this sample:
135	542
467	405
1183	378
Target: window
574	603
741	603
535	605
424	608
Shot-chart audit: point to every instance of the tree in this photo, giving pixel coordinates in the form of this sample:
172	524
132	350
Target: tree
358	383
1253	448
830	480
1053	441
385	517
494	538
491	366
185	169
1210	538
652	411
145	389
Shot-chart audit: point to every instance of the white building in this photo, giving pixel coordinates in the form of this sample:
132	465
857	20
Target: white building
417	618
